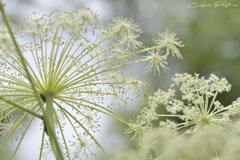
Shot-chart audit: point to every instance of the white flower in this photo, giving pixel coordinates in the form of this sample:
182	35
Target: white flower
156	61
126	25
115	76
120	52
198	104
9	125
132	41
168	40
90	118
197	108
82	145
135	85
64	67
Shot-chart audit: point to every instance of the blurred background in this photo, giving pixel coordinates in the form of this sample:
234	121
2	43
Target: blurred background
212	45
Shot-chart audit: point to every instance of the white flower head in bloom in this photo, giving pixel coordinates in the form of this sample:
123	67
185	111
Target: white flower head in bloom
71	60
198	104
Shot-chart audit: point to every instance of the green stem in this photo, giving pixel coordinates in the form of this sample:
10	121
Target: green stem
23	60
21	107
41	149
49	122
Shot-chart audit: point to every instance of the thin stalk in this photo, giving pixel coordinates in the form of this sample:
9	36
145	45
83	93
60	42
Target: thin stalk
23	60
61	130
85	130
41	149
24	133
21	107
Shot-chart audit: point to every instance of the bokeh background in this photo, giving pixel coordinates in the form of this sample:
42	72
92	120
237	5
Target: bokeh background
212	45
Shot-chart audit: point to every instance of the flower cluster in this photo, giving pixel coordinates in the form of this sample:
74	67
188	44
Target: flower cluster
199	113
197	109
198	105
72	67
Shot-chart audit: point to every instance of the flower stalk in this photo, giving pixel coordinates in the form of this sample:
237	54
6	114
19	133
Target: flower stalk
48	121
21	107
48	113
22	59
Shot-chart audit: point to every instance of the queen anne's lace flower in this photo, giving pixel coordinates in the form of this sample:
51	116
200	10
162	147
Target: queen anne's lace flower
156	61
125	25
214	128
90	118
168	39
198	107
8	125
64	67
81	146
198	104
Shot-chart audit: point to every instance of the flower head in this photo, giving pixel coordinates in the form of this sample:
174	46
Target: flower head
168	40
81	146
64	66
126	25
199	107
89	117
156	61
214	132
8	125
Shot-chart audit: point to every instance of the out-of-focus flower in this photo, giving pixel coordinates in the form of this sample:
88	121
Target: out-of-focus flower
162	144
